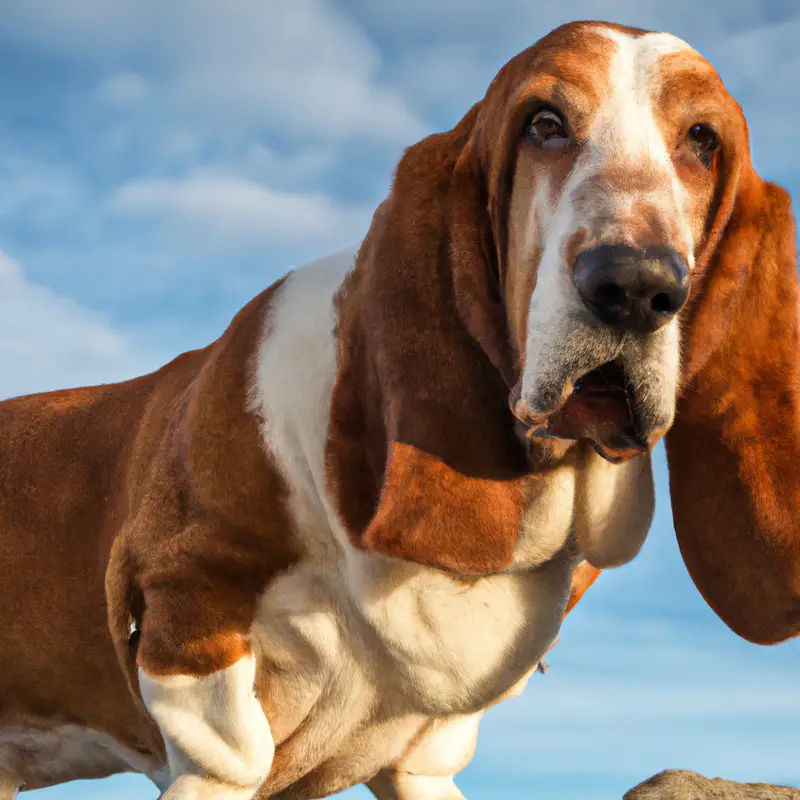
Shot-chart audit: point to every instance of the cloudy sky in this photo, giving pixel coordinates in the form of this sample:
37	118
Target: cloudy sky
161	163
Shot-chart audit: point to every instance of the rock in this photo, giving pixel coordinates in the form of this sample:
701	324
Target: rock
680	784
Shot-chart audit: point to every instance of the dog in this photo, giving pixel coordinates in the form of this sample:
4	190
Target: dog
312	554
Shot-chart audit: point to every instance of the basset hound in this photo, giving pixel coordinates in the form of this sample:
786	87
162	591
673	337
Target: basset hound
314	553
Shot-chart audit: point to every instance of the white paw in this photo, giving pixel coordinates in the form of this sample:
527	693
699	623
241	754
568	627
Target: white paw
212	726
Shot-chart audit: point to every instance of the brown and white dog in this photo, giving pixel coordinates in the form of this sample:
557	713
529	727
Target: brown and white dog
312	554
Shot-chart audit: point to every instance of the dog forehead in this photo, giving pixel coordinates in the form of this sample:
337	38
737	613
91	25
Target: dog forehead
644	45
582	66
626	123
605	52
641	65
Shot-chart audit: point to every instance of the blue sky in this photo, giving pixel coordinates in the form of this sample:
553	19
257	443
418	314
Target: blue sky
161	163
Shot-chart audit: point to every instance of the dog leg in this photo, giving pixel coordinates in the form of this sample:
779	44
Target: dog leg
391	785
193	787
426	770
443	749
218	741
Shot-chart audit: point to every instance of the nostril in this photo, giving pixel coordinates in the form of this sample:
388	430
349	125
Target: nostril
610	296
632	289
662	303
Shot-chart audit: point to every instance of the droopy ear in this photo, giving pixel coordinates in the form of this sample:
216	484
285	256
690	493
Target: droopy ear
734	450
422	456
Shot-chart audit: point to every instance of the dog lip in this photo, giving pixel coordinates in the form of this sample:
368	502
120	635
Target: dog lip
522	411
598	407
534	420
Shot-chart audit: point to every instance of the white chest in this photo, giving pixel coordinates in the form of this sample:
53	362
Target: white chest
432	643
353	645
355	661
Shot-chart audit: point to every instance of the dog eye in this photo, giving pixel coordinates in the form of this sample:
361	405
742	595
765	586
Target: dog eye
546	128
705	142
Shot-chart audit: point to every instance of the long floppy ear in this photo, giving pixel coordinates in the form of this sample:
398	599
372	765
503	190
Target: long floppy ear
734	450
422	455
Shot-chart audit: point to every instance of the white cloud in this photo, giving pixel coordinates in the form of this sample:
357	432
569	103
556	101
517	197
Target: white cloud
230	208
47	341
303	66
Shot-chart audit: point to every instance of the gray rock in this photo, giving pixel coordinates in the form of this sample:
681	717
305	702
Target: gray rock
680	784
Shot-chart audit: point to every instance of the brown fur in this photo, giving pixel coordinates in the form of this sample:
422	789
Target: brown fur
416	430
734	451
156	487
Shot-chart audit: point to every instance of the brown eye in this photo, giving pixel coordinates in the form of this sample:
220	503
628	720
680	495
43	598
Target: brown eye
705	142
546	128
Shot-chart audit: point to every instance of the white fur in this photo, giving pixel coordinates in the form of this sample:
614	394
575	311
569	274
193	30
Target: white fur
556	326
212	726
548	519
627	130
613	509
402	786
294	380
295	423
445	747
198	787
627	127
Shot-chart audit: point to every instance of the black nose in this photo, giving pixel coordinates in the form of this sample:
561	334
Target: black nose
636	290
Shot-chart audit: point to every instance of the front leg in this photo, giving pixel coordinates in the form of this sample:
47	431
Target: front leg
392	785
426	770
217	739
200	691
443	749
